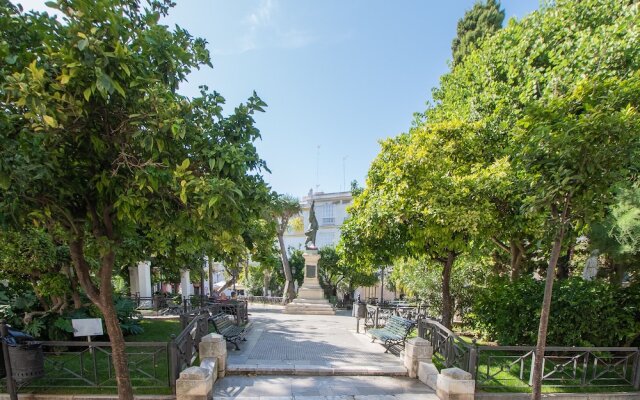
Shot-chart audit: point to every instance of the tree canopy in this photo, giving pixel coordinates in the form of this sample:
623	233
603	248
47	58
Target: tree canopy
98	142
528	141
483	19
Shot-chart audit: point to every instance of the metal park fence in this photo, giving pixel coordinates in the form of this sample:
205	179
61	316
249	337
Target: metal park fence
80	364
75	364
569	367
183	349
510	367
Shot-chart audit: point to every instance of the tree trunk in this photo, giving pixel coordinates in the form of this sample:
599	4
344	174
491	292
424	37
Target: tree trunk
246	270
447	301
536	377
118	352
266	279
289	289
75	296
103	298
227	284
617	271
209	263
516	260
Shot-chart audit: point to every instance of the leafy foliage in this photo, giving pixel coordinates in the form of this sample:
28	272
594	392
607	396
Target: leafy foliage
421	279
583	313
482	20
98	143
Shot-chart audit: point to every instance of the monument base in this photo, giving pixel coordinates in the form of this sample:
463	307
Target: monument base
310	301
310	298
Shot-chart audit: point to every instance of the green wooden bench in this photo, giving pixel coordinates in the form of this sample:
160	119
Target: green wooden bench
232	333
395	331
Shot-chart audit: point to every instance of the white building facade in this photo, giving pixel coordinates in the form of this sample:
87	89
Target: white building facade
331	211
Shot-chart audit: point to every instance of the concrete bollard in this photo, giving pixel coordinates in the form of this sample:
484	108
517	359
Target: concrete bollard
195	383
416	350
213	345
455	384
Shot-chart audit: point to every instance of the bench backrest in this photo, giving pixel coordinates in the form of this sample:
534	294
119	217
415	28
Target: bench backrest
221	321
399	326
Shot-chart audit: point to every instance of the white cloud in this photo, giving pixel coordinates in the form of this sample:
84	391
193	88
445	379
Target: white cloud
265	27
262	15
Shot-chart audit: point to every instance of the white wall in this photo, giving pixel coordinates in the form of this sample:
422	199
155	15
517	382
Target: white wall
328	230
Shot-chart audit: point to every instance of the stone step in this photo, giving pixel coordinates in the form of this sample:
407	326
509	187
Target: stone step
276	387
308	306
310	312
310	301
316	370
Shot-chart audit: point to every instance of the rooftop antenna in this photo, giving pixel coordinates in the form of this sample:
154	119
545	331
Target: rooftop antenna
318	168
344	173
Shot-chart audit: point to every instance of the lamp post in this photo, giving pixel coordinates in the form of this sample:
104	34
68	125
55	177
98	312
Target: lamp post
382	284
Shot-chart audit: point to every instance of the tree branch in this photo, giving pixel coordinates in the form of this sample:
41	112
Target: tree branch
500	244
83	271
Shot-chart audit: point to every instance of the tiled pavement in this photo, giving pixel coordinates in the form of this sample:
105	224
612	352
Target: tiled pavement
306	357
309	345
321	388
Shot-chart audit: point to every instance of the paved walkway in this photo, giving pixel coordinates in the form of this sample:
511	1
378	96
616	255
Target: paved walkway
321	388
309	345
313	357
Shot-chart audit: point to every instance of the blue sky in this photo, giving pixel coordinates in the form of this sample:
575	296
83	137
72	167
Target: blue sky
338	74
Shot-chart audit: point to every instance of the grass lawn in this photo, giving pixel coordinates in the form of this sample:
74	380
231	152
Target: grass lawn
70	370
156	330
499	371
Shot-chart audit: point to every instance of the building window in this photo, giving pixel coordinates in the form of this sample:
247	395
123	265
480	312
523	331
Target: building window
326	214
325	239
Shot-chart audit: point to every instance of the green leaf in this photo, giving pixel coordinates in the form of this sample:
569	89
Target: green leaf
87	93
118	88
82	44
50	121
11	59
63	324
104	84
5	181
185	163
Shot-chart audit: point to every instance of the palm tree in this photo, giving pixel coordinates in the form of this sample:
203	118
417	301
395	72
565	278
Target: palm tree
284	208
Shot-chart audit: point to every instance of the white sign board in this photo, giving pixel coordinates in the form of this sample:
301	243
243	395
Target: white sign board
87	327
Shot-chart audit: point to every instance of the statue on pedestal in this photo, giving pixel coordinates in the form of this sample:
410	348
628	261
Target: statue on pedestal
591	266
310	243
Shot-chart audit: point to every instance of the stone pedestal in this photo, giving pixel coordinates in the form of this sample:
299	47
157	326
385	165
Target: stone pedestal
455	384
428	374
416	350
195	383
310	298
213	346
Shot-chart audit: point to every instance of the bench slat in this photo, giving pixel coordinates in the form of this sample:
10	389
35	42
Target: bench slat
232	333
395	332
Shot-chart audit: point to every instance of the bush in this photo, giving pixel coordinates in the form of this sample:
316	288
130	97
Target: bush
582	313
17	300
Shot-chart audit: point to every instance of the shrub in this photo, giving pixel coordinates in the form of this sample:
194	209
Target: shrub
582	313
18	300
